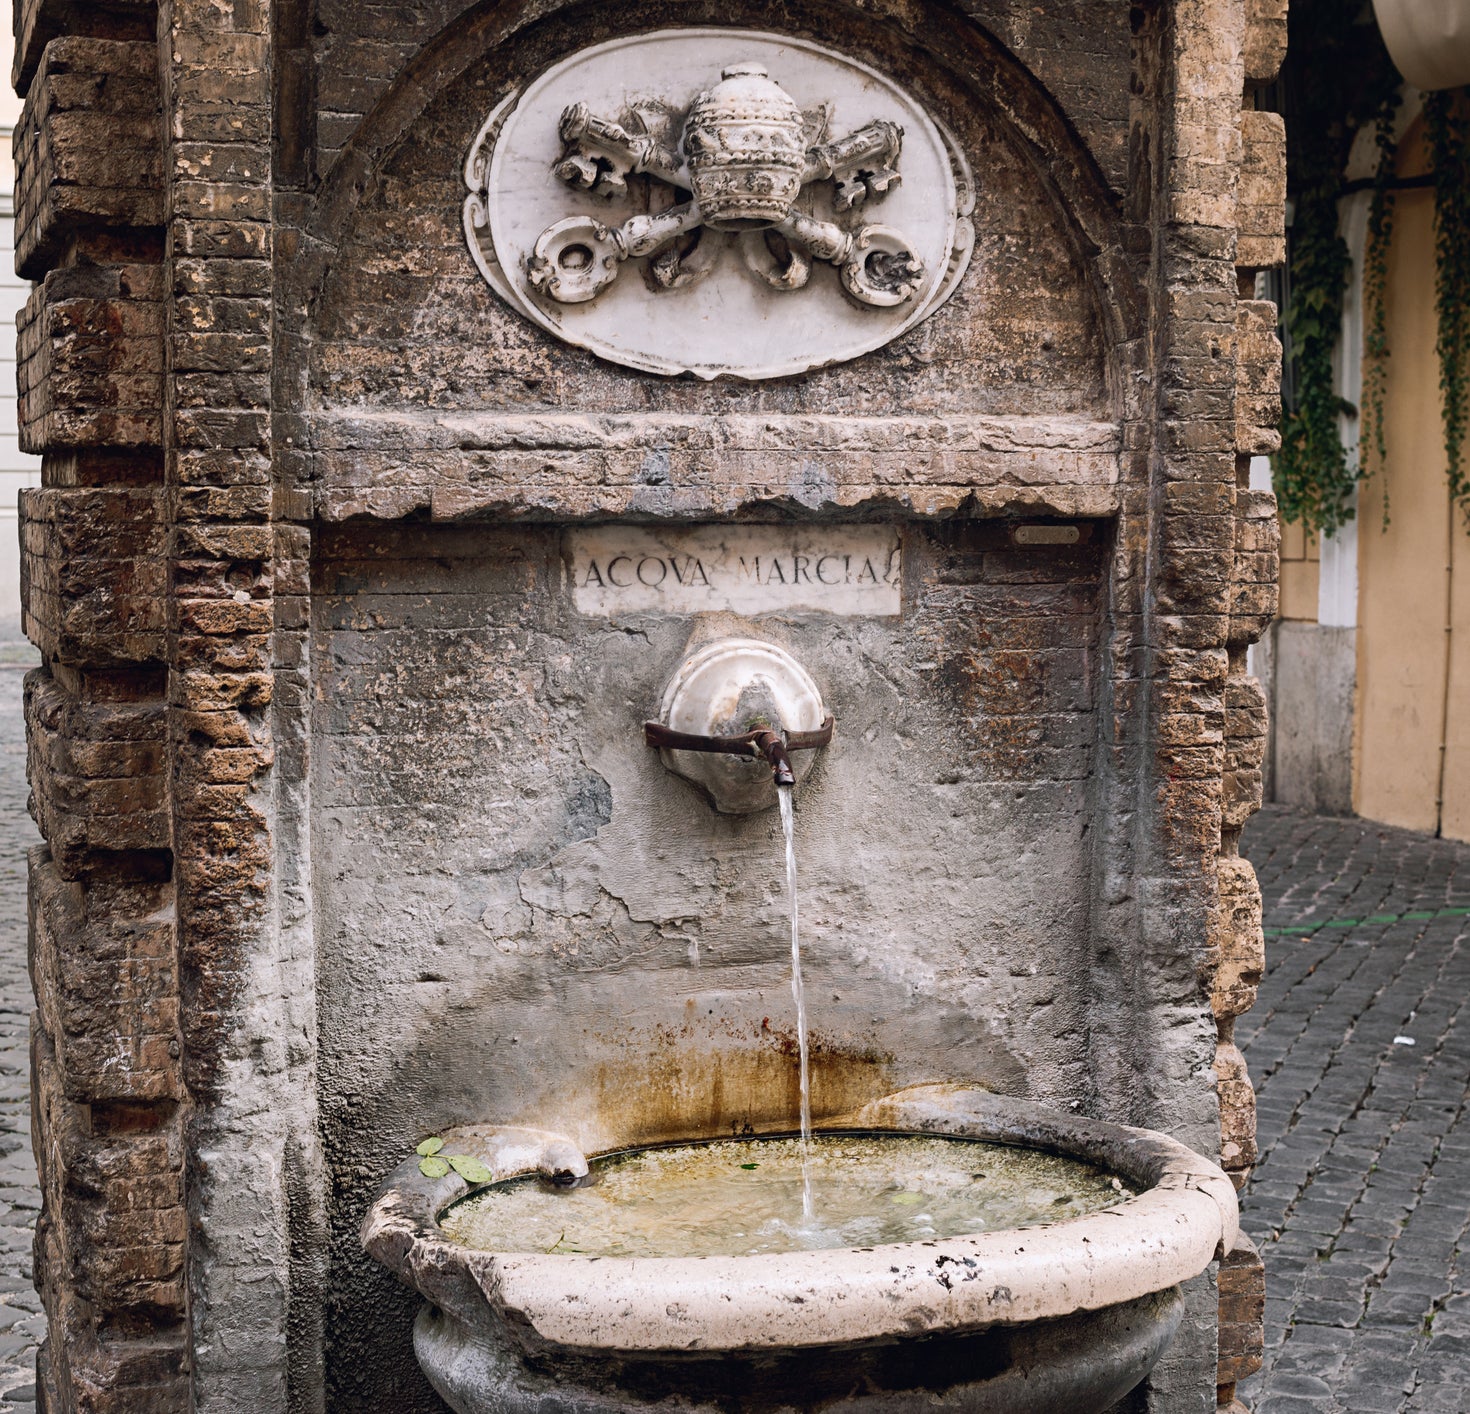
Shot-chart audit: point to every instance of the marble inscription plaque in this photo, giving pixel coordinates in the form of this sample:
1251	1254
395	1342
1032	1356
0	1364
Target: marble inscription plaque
744	569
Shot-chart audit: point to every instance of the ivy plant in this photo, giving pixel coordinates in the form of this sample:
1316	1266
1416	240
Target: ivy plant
1343	81
1447	128
1372	440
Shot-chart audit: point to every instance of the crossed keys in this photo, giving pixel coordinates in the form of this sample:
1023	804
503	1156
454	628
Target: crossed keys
744	162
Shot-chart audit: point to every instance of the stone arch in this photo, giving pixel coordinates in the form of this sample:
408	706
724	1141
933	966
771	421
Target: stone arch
947	34
952	62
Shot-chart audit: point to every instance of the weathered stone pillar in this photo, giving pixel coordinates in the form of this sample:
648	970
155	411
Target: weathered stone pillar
1260	244
221	690
108	1089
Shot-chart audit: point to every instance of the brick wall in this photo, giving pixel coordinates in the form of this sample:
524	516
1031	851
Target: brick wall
1237	941
107	1076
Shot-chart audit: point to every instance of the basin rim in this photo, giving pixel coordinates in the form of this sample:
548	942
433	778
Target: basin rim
1183	1219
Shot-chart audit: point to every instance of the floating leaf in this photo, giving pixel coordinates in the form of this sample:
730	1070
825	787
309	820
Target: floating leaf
471	1170
429	1147
433	1168
750	1166
908	1197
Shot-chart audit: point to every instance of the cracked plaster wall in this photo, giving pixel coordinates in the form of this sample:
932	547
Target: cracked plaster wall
523	917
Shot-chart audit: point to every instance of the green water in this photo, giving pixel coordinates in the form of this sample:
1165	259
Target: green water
734	1197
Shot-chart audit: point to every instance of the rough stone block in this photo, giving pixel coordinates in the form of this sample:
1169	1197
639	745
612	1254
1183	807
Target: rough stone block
1254	595
88	147
113	1215
86	1368
1315	687
1242	1311
1245	749
90	349
97	774
1260	203
1237	1111
1238	940
38	23
102	962
1265	39
1257	378
94	574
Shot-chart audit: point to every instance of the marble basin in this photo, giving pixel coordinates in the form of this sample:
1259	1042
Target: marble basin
1063	1317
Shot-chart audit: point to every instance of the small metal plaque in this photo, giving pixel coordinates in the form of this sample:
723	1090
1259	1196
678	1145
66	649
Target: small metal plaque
743	569
1046	535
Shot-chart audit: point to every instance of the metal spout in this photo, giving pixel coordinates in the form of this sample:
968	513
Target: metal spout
761	743
773	748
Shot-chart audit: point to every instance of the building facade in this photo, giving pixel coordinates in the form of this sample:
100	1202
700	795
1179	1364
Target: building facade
1368	670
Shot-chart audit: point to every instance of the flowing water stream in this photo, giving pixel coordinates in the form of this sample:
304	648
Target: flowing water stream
798	993
732	1197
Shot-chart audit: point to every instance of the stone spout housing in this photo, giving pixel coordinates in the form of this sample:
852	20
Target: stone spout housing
351	832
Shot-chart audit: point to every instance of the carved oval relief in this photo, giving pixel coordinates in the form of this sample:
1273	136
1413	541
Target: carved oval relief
718	202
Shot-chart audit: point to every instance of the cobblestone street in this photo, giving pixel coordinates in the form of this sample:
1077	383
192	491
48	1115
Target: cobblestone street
1359	1046
1360	1050
21	1324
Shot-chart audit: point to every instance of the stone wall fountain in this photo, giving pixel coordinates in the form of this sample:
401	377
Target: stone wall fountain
775	1299
617	473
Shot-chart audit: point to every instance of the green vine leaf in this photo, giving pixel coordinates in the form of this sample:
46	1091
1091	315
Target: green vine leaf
433	1167
469	1169
1447	128
429	1146
1346	83
1372	438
